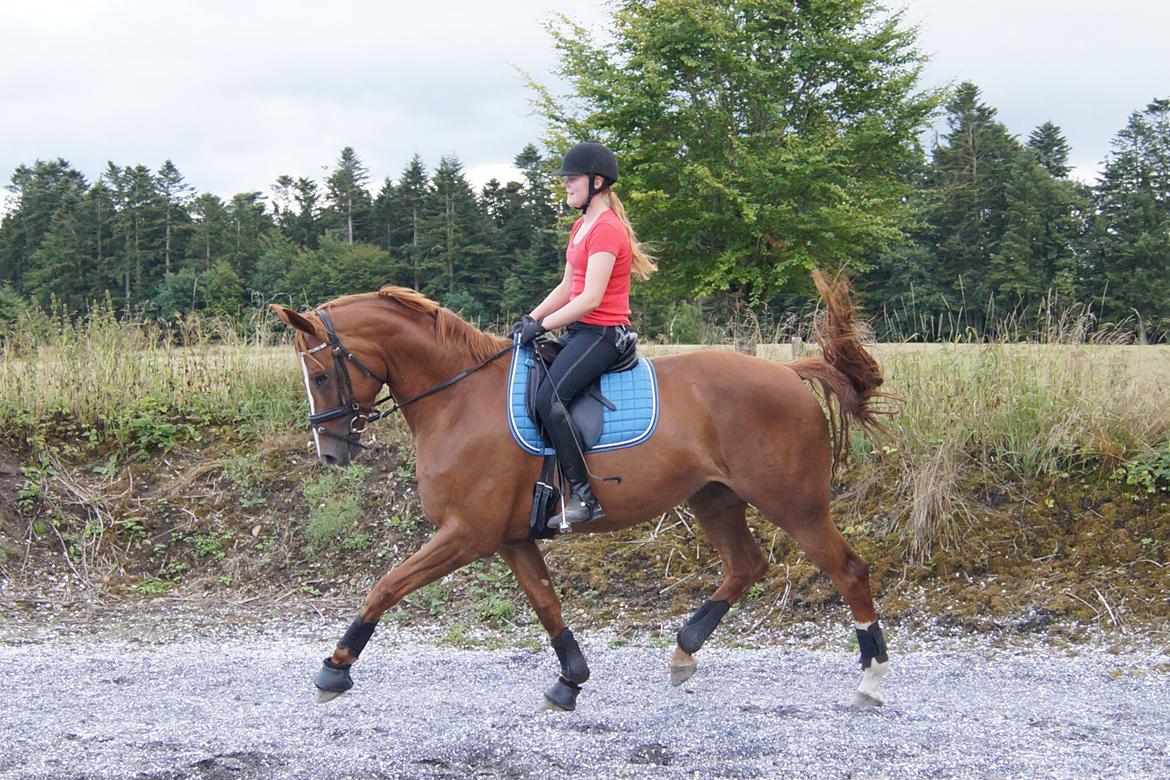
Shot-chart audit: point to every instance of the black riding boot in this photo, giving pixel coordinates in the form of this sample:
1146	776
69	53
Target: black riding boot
581	506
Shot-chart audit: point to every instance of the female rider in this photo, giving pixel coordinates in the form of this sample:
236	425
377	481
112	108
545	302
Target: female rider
593	301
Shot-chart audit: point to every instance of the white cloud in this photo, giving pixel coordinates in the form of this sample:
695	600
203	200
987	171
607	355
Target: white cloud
239	93
480	175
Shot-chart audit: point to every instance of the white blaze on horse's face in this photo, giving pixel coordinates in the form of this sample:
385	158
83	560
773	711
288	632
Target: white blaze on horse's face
312	406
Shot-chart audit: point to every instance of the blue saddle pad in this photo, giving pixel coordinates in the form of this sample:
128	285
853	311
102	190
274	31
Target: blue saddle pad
634	392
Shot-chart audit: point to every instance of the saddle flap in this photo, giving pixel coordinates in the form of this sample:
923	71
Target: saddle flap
586	411
623	406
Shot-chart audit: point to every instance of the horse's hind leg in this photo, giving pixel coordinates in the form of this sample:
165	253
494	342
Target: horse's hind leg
721	513
527	564
809	524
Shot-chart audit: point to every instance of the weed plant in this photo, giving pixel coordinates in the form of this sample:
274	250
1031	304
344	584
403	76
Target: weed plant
335	510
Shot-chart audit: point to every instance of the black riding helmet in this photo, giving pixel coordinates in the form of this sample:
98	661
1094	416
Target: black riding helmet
593	159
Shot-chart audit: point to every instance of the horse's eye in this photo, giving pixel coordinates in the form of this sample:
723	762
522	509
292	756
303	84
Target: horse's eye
320	379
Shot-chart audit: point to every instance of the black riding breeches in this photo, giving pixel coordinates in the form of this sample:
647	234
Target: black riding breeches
588	352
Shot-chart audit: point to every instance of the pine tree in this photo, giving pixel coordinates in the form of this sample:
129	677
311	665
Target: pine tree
349	201
12	305
211	231
121	264
455	256
307	227
101	217
538	252
1043	234
59	268
249	223
404	219
1130	269
176	194
382	214
40	192
968	204
145	213
1051	148
282	204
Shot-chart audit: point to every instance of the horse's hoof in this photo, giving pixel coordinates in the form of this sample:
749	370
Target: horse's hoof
868	693
680	674
682	667
548	705
562	696
324	696
332	681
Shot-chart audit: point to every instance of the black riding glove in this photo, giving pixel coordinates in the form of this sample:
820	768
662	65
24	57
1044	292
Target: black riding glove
528	329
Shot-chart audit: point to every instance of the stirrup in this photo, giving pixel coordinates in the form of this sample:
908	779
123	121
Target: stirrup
576	512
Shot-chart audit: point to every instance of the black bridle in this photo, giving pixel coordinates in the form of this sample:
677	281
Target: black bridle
347	402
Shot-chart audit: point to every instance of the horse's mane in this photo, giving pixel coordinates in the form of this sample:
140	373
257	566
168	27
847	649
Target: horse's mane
450	328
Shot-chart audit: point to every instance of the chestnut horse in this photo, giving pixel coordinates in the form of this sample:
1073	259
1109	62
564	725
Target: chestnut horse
733	430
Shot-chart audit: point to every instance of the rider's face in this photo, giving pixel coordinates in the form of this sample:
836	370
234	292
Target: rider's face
576	189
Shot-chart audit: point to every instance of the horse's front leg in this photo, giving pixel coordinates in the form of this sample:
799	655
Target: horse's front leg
445	552
527	564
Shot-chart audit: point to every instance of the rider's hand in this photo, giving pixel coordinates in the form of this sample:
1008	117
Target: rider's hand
529	329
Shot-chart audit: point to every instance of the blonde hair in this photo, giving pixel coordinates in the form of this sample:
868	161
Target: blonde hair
643	263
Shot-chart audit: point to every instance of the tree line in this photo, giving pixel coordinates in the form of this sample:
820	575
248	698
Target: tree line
758	139
144	241
1002	234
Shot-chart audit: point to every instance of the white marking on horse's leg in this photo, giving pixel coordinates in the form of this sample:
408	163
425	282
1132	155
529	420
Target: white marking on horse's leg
862	626
871	680
312	409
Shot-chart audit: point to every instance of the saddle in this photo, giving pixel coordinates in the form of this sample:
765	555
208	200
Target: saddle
587	410
587	416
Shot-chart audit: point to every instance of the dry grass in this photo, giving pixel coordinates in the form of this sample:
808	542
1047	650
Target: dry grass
998	411
971	411
97	372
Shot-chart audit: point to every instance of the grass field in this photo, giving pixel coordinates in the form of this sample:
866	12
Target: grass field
1032	405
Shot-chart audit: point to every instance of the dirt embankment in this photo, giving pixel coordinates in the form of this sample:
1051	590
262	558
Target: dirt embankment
239	521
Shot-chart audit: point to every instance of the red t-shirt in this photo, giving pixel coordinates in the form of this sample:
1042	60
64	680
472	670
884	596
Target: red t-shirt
608	234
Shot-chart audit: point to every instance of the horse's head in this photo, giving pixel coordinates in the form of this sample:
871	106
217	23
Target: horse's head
343	375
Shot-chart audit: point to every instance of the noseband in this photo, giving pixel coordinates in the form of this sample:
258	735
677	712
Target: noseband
348	404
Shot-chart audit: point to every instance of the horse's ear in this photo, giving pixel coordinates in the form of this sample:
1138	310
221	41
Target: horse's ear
293	319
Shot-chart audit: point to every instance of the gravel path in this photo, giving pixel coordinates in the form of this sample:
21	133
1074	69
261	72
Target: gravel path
238	703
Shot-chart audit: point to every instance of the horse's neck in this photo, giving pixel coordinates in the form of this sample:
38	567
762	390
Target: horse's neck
419	361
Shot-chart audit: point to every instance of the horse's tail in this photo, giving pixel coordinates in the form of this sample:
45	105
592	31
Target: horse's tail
845	371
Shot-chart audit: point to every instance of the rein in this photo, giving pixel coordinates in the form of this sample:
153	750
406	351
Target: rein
347	403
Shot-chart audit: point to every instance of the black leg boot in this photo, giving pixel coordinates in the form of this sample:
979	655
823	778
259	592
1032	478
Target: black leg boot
581	506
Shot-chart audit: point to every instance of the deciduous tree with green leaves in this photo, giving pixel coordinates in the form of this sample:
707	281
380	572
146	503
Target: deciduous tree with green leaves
758	138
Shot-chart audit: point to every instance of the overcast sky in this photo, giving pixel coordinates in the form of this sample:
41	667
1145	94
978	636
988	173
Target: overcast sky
239	92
